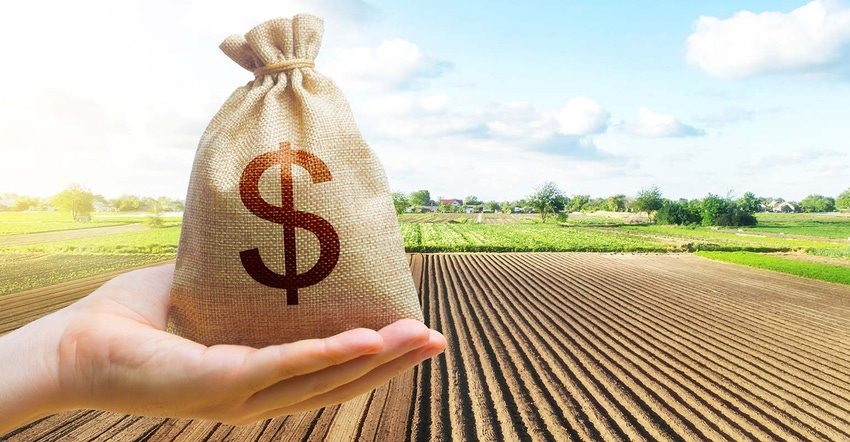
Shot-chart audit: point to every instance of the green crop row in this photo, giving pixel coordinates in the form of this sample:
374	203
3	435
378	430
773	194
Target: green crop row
812	270
30	270
433	237
730	240
153	241
843	253
19	223
805	224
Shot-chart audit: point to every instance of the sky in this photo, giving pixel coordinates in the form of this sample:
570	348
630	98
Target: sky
485	98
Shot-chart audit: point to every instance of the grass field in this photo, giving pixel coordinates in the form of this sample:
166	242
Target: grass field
152	241
804	224
20	223
821	235
431	237
732	240
809	270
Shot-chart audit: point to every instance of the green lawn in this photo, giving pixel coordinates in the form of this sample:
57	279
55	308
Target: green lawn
805	224
812	270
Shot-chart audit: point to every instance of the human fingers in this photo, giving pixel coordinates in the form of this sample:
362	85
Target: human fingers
374	379
400	338
270	365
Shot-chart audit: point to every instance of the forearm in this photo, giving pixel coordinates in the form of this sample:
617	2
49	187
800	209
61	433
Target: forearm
28	374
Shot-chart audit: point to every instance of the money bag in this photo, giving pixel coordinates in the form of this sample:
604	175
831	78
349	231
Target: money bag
289	231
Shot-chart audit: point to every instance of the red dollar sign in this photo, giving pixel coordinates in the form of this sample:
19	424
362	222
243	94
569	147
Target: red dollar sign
289	218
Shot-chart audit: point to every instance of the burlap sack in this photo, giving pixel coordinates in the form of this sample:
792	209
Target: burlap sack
289	230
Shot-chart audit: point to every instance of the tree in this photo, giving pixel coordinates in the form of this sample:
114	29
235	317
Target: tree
547	199
448	208
493	206
420	198
713	208
616	203
23	203
682	212
817	203
75	199
577	202
471	200
749	203
127	203
718	211
843	200
507	207
648	200
400	202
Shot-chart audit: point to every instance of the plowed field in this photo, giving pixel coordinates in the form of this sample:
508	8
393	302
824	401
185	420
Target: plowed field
576	346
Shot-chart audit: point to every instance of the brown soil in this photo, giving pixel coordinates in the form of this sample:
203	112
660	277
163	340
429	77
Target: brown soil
574	346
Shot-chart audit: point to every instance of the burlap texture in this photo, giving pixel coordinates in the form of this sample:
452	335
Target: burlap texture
214	299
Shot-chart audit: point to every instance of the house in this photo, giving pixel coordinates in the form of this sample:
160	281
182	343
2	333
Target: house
7	200
452	202
785	207
100	206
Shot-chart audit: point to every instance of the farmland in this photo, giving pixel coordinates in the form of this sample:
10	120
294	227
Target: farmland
451	237
114	241
575	346
42	258
18	223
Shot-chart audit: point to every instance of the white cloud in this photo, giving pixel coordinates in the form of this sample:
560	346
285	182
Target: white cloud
730	115
502	127
655	125
393	64
811	38
798	158
434	103
582	116
839	168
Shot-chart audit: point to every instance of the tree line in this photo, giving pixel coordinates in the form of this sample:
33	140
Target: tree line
78	200
548	200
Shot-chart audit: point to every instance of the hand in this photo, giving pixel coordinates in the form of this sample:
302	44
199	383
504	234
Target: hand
109	351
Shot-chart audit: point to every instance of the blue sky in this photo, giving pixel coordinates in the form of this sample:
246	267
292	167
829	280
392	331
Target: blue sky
461	98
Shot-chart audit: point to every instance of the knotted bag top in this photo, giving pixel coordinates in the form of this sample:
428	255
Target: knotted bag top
277	45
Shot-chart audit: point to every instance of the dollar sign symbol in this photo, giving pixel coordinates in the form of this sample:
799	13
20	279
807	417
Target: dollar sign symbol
289	218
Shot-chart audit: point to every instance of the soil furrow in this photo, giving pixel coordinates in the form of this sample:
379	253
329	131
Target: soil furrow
701	393
651	381
600	384
491	420
673	328
740	355
502	350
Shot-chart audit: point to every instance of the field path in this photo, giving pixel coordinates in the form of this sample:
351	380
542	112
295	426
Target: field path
67	235
565	346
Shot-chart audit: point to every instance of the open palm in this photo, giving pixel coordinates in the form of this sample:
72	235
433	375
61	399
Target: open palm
113	354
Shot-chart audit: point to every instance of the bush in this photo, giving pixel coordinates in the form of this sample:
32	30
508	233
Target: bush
154	222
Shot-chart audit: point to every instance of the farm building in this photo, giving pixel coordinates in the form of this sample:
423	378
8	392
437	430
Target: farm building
785	207
452	202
